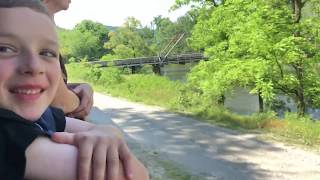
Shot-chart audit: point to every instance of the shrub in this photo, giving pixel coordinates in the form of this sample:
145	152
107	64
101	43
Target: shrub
110	76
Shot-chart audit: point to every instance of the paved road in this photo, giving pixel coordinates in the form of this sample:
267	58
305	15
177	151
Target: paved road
206	150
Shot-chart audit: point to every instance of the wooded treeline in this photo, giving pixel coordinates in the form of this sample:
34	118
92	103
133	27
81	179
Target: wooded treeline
93	40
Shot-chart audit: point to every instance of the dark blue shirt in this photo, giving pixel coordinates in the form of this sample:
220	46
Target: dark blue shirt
47	122
17	133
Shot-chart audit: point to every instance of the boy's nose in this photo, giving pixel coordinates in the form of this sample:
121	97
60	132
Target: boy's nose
32	65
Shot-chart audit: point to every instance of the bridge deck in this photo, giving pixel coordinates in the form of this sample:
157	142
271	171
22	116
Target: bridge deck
155	60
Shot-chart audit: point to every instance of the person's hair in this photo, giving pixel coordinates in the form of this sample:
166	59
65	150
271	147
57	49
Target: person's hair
35	5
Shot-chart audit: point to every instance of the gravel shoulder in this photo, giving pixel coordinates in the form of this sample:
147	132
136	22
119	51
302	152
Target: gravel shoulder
203	151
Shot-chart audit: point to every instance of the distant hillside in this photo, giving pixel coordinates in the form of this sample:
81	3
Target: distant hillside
112	28
62	29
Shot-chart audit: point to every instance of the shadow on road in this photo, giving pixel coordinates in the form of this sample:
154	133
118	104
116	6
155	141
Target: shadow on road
213	152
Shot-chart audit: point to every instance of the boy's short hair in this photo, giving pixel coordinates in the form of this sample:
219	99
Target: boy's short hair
35	5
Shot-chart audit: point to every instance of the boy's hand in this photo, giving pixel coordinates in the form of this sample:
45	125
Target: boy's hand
100	150
85	94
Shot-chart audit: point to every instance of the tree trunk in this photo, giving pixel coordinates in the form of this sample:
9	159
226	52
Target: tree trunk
297	6
221	100
300	92
261	108
301	105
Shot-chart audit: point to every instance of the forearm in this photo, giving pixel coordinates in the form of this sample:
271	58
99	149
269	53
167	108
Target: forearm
51	161
65	99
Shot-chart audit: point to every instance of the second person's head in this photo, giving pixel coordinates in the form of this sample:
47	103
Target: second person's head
55	6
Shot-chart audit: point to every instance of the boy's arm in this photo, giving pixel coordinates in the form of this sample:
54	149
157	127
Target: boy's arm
99	147
65	99
85	93
52	161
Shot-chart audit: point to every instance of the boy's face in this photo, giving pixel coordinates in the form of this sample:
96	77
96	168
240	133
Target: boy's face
29	66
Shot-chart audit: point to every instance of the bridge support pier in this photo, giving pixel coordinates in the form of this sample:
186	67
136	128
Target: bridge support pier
135	69
156	68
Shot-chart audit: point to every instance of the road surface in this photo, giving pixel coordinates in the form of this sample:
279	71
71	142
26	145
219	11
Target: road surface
206	150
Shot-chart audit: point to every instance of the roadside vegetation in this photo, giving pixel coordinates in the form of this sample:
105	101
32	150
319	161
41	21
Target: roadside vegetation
271	48
176	96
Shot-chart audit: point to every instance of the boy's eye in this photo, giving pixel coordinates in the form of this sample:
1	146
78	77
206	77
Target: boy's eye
48	53
6	49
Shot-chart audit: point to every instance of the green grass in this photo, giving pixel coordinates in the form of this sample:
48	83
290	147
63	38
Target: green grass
147	88
303	130
150	89
177	97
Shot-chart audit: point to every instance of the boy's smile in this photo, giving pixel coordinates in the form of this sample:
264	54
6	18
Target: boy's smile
27	92
29	66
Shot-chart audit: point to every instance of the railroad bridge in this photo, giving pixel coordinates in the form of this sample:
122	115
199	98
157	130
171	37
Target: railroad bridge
156	61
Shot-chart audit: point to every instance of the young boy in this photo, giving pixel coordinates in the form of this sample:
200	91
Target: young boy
29	77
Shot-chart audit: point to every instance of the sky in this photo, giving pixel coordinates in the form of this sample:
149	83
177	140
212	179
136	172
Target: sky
114	12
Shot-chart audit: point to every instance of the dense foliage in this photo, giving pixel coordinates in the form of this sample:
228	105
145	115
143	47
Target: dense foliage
268	47
126	42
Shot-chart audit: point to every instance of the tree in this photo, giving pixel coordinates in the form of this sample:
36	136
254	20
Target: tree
261	45
98	30
184	25
197	3
165	31
126	42
77	44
